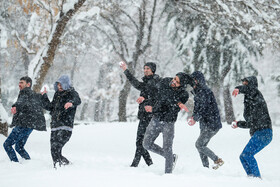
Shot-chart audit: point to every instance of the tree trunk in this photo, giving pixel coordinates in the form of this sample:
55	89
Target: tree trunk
3	125
228	105
122	101
53	45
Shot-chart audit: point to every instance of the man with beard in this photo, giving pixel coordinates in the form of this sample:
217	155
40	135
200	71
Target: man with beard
28	115
170	98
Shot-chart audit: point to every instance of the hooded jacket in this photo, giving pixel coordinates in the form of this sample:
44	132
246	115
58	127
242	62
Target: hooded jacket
60	115
147	90
205	106
167	98
29	106
256	114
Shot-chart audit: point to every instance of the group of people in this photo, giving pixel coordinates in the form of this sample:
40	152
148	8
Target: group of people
28	115
160	101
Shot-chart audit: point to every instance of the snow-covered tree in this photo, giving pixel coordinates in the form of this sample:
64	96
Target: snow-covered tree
220	38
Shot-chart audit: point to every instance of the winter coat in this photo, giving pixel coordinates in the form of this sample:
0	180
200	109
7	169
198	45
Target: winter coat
205	106
256	114
60	115
147	90
167	98
29	111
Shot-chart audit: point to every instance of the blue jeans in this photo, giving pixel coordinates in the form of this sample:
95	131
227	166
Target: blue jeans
18	136
258	141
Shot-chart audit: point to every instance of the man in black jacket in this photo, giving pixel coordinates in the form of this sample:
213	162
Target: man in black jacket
170	98
147	93
257	119
28	115
62	109
207	113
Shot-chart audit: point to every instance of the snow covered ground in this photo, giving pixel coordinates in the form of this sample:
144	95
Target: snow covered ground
102	152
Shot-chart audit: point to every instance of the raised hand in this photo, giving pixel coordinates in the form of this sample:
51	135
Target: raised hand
45	91
123	65
235	92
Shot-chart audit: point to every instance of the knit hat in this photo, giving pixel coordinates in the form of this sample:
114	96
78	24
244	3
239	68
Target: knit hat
152	66
185	79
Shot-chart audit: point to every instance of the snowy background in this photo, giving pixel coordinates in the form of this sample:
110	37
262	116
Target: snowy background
102	153
226	40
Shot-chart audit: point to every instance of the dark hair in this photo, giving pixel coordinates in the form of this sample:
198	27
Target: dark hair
152	66
27	80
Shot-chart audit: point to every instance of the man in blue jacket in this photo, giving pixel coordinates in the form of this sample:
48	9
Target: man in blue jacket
257	119
207	113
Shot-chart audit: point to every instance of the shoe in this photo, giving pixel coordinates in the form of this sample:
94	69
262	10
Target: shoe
175	158
219	162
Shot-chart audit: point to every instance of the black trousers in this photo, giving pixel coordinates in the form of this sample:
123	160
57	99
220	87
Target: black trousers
140	150
58	139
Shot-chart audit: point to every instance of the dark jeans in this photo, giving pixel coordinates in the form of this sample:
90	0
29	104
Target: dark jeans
140	150
18	136
201	145
258	141
167	129
58	139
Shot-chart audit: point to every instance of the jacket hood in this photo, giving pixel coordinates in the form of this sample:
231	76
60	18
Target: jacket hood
197	75
65	82
252	81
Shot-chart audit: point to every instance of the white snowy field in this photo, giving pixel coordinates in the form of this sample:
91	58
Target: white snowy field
102	152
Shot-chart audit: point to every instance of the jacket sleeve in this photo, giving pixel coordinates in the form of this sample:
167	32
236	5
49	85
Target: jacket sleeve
76	100
243	124
200	101
135	83
47	105
22	103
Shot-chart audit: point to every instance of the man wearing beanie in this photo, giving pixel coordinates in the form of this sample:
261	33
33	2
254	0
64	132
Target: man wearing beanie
207	113
171	96
147	92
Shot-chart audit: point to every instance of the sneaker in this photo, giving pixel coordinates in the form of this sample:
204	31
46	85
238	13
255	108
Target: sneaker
218	163
175	158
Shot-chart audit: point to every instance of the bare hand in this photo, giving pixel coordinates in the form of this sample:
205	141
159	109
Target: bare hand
68	105
235	92
45	91
191	121
123	65
14	110
234	124
140	100
148	108
183	107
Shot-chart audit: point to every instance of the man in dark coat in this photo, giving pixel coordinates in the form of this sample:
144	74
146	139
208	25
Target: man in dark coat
257	119
28	115
207	113
62	109
147	93
170	98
